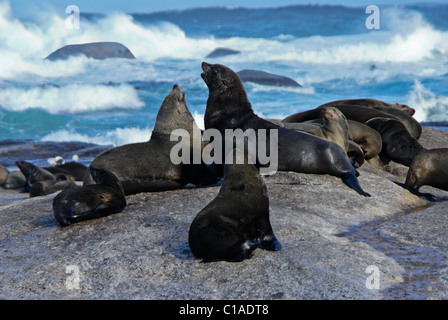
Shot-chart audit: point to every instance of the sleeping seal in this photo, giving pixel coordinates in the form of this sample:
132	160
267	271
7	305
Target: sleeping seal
92	201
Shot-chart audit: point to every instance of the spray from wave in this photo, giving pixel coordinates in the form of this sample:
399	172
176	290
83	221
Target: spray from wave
116	137
428	106
76	98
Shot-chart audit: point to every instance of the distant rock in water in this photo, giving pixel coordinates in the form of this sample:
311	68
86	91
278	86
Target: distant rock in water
96	50
266	78
220	52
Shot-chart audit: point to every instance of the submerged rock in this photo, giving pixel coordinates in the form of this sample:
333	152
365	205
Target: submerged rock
266	78
220	52
96	50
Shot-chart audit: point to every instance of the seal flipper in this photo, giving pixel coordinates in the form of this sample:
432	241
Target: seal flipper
351	180
271	243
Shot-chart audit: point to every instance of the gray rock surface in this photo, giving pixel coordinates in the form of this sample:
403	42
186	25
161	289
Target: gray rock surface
96	50
329	236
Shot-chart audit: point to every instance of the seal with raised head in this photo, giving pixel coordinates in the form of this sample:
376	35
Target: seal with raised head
371	103
33	173
236	222
398	144
147	166
429	167
92	201
229	108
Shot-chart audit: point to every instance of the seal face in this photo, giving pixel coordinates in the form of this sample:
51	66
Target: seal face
430	167
367	138
147	166
229	108
92	201
236	222
398	144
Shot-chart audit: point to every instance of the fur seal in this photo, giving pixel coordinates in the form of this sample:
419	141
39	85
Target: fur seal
360	114
146	166
75	169
92	201
14	180
3	175
370	103
236	222
33	174
334	127
229	108
429	167
367	138
413	126
398	144
355	154
45	187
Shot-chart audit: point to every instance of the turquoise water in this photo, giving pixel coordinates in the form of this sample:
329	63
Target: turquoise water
327	49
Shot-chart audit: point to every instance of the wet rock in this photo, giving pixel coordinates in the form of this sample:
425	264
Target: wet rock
221	52
266	78
96	50
327	232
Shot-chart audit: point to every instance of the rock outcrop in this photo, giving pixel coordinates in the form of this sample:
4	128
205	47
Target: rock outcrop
331	239
96	50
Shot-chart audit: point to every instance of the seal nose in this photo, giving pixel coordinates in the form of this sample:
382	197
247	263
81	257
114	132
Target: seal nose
176	86
205	66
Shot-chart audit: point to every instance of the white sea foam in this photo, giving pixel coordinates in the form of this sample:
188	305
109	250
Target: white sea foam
117	137
199	119
410	38
427	105
76	98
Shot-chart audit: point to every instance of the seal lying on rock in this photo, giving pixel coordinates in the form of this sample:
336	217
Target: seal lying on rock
236	222
367	138
33	173
398	144
370	103
92	201
229	108
75	169
429	167
147	166
361	114
334	127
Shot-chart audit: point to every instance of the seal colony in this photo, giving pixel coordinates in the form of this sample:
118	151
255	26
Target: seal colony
333	139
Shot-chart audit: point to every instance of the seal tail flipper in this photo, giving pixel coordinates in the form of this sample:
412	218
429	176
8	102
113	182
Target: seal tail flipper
351	180
271	243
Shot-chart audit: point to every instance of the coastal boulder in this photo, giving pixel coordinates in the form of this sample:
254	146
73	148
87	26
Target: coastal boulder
265	78
220	52
96	50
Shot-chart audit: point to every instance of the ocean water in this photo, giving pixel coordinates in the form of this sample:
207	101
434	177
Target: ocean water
327	49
